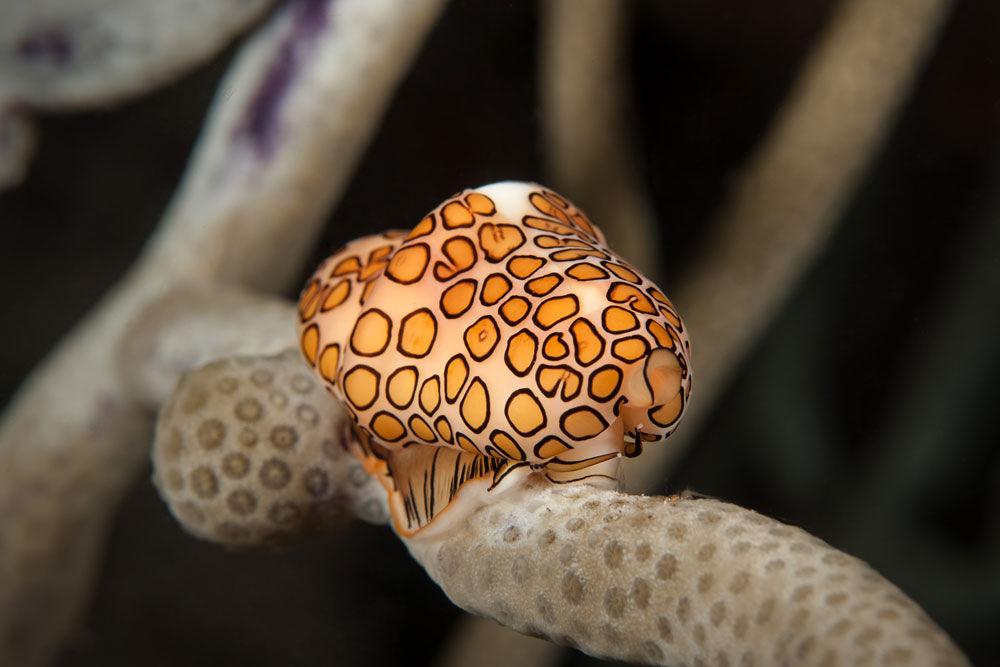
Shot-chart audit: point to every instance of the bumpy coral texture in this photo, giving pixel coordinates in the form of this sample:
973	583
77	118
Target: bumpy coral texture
676	581
251	451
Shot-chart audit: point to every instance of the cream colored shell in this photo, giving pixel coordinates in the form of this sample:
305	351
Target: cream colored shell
500	332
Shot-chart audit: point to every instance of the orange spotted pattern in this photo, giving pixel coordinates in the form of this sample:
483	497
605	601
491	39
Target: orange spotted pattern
501	333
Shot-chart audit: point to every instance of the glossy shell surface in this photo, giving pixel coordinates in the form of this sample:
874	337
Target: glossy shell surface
499	333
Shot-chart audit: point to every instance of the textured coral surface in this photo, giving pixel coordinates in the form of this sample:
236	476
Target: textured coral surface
676	581
251	451
244	456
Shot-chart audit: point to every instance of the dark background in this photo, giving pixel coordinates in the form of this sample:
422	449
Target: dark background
867	414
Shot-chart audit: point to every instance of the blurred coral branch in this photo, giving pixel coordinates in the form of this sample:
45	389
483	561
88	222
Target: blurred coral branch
288	125
793	191
951	373
585	97
645	579
62	56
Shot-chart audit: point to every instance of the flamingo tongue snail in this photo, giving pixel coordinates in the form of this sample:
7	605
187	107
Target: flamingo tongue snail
499	338
489	369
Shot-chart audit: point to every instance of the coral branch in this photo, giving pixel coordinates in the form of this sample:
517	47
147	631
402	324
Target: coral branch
584	94
63	56
284	137
243	456
194	324
251	451
794	189
17	145
68	54
240	218
674	581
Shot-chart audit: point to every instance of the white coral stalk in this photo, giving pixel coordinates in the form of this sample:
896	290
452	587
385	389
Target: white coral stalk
795	186
279	146
646	579
675	581
586	127
252	451
61	55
